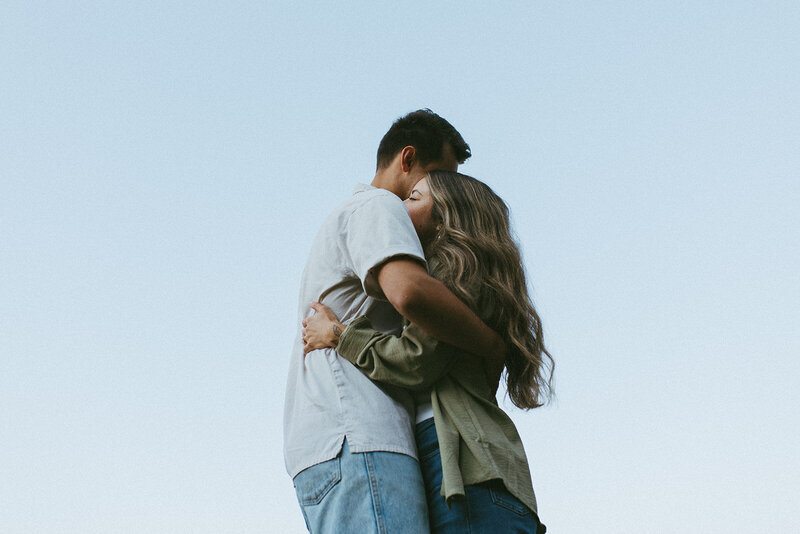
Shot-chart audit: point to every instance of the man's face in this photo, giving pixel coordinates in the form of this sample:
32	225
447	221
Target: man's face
447	162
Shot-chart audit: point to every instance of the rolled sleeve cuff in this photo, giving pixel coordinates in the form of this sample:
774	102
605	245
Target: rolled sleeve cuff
355	338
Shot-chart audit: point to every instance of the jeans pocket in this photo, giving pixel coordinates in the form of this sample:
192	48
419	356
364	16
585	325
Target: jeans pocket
313	483
502	497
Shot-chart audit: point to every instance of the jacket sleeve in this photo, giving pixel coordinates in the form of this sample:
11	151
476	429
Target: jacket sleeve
413	360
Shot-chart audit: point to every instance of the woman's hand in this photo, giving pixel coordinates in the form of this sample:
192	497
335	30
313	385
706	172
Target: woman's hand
321	329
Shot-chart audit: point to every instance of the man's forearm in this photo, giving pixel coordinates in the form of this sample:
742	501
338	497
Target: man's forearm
444	316
427	303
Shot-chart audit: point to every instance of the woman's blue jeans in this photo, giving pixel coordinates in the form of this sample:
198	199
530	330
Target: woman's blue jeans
486	508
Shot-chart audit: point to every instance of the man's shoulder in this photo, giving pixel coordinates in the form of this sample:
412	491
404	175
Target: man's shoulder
364	194
368	197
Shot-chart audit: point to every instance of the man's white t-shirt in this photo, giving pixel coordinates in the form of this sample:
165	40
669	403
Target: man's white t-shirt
327	398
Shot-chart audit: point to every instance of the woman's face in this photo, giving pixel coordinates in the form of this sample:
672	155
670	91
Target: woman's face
420	207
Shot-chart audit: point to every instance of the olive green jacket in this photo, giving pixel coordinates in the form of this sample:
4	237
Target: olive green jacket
477	440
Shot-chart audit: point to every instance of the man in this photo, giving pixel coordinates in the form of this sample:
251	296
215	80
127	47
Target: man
349	443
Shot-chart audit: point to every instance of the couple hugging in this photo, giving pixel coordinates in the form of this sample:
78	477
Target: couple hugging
412	303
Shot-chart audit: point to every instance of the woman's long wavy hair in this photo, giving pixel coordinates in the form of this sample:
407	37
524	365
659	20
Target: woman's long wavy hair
476	257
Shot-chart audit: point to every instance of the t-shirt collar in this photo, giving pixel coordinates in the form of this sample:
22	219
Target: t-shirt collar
359	188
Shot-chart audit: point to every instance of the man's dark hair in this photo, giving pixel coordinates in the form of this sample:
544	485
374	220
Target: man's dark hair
426	132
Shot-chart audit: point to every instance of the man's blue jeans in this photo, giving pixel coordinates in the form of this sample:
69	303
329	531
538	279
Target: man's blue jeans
487	508
369	492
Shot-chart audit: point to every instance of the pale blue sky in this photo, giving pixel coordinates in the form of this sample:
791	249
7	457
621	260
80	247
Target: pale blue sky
164	167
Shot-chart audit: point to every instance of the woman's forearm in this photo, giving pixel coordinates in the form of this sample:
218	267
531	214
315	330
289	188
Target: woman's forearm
413	360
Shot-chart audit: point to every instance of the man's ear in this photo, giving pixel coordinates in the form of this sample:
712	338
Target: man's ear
408	157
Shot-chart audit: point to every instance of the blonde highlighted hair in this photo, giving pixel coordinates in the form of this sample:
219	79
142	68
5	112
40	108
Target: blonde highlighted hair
476	257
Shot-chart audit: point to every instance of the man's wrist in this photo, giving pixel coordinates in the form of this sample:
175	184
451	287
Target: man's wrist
497	351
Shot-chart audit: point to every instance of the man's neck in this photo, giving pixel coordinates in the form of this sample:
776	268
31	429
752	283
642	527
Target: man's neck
385	180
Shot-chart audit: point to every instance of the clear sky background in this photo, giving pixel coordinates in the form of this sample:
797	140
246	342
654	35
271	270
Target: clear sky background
165	165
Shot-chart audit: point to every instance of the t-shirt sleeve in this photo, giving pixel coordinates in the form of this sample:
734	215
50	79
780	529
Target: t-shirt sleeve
378	231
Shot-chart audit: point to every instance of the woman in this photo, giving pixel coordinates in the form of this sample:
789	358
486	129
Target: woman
476	474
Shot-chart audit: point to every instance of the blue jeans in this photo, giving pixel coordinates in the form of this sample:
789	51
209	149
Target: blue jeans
368	492
486	508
